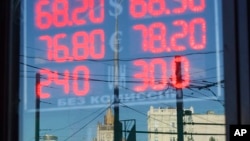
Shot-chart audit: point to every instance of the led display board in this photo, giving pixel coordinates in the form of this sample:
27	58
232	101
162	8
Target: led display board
70	46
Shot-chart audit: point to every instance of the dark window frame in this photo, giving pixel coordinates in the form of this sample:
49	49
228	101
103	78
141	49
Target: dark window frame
9	44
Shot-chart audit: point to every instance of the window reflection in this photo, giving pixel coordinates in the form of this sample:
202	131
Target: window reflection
122	70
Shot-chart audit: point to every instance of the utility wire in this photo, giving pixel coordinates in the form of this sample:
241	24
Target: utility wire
86	124
138	58
124	105
78	121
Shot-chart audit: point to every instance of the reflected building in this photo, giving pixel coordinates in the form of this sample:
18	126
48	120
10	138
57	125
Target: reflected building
162	122
50	138
105	130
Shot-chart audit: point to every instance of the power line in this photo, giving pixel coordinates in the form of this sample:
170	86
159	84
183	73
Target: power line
185	133
185	123
86	124
138	58
78	121
124	105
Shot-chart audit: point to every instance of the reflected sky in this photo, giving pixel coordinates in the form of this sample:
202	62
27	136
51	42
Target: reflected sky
73	52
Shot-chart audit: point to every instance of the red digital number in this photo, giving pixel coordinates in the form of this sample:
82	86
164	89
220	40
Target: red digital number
159	37
95	36
61	52
49	42
133	8
195	31
96	18
88	44
43	82
182	9
200	22
158	83
90	5
158	67
62	79
59	15
157	12
149	37
80	10
185	80
54	48
143	75
84	45
84	79
147	74
142	8
173	40
197	8
43	19
144	33
48	77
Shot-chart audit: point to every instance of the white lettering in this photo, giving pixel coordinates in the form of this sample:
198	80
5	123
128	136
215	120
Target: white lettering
243	131
111	77
94	100
122	76
117	6
239	132
105	99
71	101
114	40
61	102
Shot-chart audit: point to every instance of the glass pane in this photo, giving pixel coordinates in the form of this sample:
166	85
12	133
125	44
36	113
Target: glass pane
112	70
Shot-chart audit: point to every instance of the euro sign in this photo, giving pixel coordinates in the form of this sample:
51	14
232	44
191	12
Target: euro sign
115	39
117	8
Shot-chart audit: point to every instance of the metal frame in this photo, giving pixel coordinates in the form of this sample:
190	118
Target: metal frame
9	43
236	62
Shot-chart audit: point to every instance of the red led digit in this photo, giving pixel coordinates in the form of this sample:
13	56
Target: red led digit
182	9
63	80
159	37
161	82
185	80
43	19
183	24
143	75
144	33
43	82
197	8
94	43
49	44
137	8
80	41
60	15
154	11
93	16
78	11
61	52
193	25
84	80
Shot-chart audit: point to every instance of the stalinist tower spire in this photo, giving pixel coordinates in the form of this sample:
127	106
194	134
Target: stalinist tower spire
109	117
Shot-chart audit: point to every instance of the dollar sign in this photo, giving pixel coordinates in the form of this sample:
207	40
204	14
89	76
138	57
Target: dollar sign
117	6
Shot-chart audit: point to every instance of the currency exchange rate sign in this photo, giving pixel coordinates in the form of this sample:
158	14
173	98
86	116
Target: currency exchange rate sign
69	48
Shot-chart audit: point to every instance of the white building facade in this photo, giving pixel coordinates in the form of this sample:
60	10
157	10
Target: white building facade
162	123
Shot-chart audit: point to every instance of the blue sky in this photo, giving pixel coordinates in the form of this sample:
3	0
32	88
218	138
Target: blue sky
60	111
